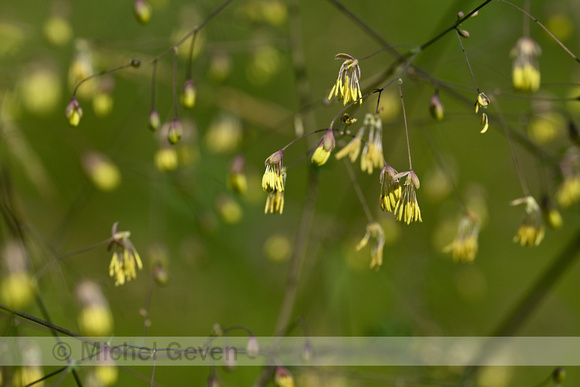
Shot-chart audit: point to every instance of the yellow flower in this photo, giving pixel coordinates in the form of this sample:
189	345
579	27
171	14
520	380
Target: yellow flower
352	149
407	208
272	179
347	85
569	191
390	189
275	200
374	230
324	148
526	71
464	246
531	231
125	257
482	101
372	154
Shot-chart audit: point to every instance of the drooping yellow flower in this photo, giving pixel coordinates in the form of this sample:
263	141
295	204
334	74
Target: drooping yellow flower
275	200
347	85
125	257
325	147
390	189
526	70
407	208
464	247
352	149
372	154
272	179
482	101
374	230
531	231
568	192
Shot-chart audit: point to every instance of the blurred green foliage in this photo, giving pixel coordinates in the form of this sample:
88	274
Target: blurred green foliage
227	261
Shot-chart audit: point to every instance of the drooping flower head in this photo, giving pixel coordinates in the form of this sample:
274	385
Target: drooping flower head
275	199
125	257
325	147
407	208
531	231
482	101
390	189
374	230
372	154
272	179
464	247
526	70
347	85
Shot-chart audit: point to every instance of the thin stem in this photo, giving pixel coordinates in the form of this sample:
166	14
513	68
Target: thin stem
526	22
359	193
467	59
175	82
544	28
132	63
153	84
405	121
189	65
42	271
512	150
454	26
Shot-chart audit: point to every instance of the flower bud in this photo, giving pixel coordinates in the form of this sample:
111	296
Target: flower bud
237	181
558	375
103	173
436	107
166	159
95	318
142	11
154	120
188	94
283	378
17	285
174	132
252	348
74	112
464	33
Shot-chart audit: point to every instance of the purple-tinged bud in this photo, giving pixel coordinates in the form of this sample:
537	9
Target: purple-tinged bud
175	131
74	112
142	11
436	107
